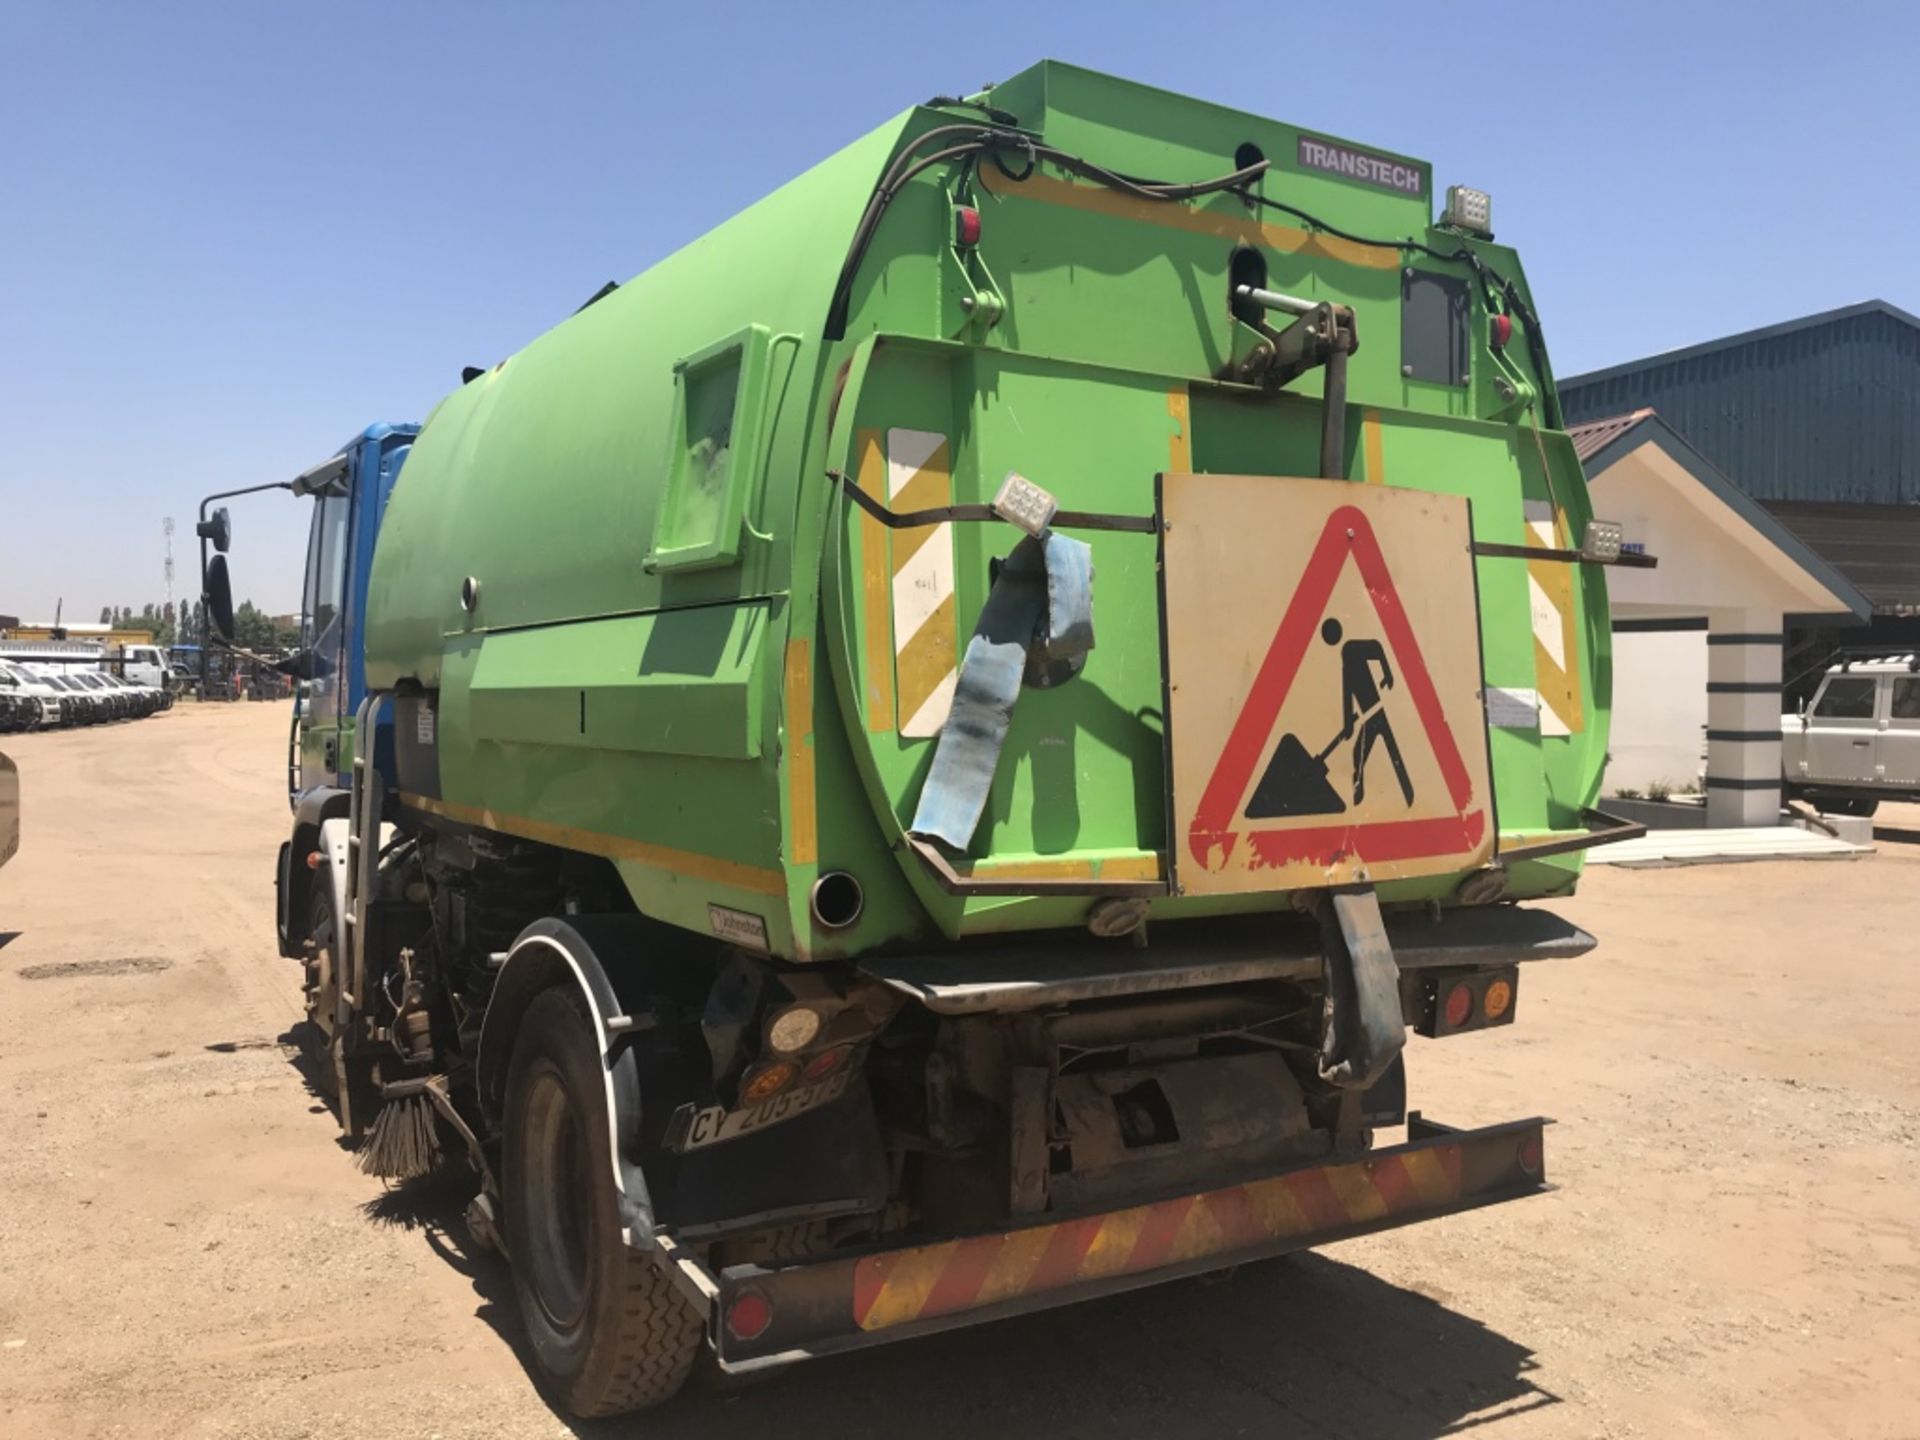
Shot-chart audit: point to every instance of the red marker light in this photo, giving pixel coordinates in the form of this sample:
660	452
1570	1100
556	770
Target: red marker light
749	1315
966	225
1501	331
1459	1006
824	1064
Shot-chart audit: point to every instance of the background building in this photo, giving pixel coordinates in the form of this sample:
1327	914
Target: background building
1778	463
1817	419
114	638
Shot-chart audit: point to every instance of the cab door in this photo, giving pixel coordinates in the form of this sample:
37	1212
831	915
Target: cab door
323	635
1843	731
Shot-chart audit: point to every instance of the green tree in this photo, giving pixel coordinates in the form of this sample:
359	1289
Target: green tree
252	627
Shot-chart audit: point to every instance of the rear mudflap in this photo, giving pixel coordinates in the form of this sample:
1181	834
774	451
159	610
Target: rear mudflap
760	1316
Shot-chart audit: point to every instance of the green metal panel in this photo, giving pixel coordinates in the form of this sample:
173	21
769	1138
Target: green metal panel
681	682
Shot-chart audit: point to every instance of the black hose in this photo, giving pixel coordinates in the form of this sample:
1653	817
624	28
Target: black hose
909	164
991	140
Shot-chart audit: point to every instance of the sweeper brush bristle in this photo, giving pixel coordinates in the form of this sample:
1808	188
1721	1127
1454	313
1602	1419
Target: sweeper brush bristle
403	1141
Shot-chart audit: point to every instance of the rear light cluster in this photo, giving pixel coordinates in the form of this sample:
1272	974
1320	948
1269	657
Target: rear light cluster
771	1032
768	1079
1469	1000
802	1045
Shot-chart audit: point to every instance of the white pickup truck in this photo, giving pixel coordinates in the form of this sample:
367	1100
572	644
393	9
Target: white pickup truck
1858	741
38	701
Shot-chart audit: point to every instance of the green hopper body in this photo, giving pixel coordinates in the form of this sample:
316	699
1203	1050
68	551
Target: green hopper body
686	650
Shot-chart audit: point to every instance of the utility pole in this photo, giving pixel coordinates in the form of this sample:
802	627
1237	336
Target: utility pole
167	526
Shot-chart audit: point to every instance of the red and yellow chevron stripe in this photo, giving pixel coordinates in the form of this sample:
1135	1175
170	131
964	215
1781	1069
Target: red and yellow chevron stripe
959	1275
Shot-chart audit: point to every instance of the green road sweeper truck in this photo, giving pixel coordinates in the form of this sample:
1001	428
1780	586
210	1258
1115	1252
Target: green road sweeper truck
920	759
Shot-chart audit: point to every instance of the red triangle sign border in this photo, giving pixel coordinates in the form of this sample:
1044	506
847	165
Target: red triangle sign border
1215	831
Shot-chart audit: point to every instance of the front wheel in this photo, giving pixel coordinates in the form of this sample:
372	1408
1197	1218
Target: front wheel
609	1331
328	1056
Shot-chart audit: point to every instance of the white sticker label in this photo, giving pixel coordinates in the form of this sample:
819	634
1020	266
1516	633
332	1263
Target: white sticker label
1513	709
423	723
738	927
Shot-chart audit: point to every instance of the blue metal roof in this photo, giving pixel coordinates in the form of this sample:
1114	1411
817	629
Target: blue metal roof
1825	408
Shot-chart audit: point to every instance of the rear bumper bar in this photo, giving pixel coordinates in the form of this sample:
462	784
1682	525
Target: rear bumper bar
823	1306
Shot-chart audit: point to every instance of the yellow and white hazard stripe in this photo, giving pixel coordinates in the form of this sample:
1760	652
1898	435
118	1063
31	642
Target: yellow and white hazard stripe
926	649
1556	657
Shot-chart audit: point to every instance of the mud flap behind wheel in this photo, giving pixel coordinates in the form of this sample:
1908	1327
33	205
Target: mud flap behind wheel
1365	1029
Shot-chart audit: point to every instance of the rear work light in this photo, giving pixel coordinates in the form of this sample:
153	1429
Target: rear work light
1461	1000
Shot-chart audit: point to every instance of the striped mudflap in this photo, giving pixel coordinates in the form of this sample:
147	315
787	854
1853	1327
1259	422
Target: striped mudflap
823	1306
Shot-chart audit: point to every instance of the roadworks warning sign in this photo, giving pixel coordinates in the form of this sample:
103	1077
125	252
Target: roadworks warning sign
1324	669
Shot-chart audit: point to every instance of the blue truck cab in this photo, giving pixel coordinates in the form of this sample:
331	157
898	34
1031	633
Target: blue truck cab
350	491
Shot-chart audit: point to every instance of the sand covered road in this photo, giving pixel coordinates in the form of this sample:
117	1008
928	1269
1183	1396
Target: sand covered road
1734	1248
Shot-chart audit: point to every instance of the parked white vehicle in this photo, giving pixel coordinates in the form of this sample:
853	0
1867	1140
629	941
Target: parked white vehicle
147	665
1858	742
49	702
146	698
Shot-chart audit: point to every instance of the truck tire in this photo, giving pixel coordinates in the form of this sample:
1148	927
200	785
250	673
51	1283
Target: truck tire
322	989
608	1330
318	985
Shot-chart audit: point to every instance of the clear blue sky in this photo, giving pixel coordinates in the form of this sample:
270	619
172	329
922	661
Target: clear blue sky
232	234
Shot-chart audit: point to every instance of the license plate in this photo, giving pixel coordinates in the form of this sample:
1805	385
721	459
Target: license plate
716	1123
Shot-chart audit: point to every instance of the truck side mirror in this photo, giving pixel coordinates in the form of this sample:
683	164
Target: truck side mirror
216	593
219	530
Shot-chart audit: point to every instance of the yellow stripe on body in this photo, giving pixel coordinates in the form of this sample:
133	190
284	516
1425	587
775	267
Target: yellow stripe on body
1178	215
926	635
910	1280
1555	645
875	585
1115	867
1373	442
1180	448
686	863
803	840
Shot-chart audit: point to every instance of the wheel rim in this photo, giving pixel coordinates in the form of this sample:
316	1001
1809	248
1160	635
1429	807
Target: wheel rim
320	987
556	1201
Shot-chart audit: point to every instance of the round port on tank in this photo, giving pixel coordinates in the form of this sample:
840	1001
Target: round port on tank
837	900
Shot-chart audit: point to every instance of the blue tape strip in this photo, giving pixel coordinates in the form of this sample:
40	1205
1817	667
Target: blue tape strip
1041	606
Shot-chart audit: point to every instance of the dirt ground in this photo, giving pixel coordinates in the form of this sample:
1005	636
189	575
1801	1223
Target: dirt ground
1734	1249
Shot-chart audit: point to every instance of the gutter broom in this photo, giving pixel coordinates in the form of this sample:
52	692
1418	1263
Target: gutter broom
404	1140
